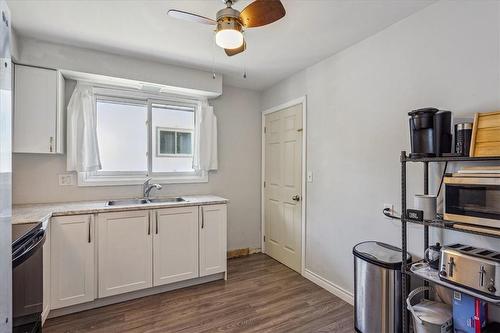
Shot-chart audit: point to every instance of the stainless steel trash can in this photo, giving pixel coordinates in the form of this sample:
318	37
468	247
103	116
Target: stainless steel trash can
377	287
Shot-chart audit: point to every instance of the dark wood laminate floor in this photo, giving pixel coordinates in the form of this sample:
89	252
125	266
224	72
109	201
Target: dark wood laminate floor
261	295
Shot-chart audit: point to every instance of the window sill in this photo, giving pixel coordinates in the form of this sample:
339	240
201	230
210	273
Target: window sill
86	179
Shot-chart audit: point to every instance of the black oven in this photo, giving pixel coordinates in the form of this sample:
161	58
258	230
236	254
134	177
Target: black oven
27	277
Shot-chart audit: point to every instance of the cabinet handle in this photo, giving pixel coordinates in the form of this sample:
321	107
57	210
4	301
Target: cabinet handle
156	219
149	224
202	218
90	230
51	144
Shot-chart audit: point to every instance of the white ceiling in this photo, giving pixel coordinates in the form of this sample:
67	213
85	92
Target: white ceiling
311	31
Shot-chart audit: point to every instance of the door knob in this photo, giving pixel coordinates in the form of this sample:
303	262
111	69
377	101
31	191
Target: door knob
296	197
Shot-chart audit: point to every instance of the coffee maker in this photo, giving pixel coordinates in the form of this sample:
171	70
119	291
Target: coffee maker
430	132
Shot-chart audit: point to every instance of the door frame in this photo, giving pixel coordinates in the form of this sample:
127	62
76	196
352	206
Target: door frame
301	100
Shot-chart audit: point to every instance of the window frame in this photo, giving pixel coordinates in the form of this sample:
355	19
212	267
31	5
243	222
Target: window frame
108	178
175	131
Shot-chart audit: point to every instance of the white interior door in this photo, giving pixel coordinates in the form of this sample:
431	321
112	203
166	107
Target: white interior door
283	186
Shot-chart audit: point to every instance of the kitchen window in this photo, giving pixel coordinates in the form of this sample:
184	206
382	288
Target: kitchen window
144	137
174	143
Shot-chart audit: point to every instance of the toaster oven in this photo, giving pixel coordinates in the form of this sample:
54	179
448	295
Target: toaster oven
473	200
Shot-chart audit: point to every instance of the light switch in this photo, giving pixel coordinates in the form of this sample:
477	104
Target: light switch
66	179
309	177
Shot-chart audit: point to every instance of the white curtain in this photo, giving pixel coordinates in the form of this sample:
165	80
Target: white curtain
205	155
82	145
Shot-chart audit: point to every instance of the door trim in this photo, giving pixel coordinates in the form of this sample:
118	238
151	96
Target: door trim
301	100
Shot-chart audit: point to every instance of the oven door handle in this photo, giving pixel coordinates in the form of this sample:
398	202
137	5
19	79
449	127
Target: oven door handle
19	259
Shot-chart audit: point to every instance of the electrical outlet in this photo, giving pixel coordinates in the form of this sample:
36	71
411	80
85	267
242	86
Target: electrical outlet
66	179
309	177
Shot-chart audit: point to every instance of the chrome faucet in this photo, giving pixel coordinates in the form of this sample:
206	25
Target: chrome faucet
147	187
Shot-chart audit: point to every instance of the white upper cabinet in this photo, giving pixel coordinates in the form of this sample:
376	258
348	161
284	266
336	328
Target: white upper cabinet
213	239
72	260
125	252
38	110
175	245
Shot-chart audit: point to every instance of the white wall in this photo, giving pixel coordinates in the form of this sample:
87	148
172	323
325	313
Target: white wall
35	177
39	53
447	56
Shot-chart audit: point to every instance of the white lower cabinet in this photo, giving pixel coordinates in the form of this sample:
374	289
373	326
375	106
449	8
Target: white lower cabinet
213	239
131	250
175	245
125	252
72	273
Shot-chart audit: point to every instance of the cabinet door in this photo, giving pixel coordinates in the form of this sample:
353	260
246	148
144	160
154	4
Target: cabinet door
213	234
35	110
175	245
46	274
72	256
125	252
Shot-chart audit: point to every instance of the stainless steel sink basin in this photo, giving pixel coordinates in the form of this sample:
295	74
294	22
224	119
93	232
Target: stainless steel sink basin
129	202
160	200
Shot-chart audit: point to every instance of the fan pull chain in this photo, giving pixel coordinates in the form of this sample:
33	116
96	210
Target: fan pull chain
244	59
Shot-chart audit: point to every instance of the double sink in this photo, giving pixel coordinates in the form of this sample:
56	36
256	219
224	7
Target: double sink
129	202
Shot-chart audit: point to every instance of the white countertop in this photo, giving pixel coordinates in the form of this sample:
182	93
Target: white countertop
41	212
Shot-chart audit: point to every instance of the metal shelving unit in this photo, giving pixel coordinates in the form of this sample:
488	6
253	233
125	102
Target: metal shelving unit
438	223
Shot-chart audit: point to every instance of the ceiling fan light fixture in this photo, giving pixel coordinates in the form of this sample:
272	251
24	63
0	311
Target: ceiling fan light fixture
231	22
229	39
229	35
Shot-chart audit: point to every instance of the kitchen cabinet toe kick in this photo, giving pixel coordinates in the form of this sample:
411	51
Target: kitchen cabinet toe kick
99	302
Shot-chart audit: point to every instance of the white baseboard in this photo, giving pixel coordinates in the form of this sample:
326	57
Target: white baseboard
329	286
45	314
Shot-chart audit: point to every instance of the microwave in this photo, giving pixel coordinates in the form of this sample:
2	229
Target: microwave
473	200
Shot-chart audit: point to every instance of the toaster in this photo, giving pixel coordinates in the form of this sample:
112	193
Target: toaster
473	268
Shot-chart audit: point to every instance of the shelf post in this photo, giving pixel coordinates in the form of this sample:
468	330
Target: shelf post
404	250
426	227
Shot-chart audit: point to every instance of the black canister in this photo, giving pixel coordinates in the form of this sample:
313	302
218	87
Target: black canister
463	135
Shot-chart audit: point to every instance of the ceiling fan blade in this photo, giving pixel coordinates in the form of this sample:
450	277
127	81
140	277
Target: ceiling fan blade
179	14
232	52
262	12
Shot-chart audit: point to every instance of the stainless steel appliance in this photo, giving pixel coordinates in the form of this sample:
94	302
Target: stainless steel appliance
471	267
473	200
5	171
432	255
377	287
463	136
27	277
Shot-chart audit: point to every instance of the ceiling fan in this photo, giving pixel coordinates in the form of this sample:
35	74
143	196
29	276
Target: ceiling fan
231	22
